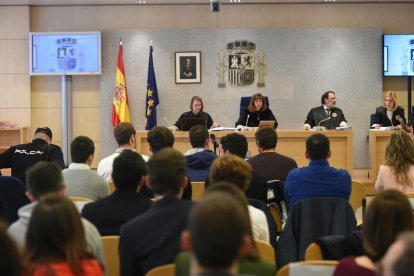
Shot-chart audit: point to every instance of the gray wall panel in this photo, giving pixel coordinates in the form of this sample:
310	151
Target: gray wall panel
300	65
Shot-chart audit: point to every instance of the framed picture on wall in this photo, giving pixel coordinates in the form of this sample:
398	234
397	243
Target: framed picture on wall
187	67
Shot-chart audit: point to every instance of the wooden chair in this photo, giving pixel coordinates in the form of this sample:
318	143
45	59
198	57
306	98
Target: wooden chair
357	195
198	190
111	186
277	217
410	197
313	253
266	251
163	270
110	245
321	268
78	198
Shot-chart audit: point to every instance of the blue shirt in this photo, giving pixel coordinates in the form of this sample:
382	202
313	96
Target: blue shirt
317	180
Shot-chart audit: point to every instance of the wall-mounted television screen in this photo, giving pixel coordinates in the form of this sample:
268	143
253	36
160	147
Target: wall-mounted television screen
398	55
65	53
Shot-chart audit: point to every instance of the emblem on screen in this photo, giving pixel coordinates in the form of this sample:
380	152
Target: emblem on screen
67	52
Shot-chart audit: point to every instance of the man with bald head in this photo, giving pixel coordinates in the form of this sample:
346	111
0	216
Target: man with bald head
21	157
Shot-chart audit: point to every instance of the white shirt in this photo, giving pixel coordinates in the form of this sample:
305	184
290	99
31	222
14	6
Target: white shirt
260	227
105	165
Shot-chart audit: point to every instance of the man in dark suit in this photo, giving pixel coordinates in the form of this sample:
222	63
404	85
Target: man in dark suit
327	110
110	213
236	144
153	238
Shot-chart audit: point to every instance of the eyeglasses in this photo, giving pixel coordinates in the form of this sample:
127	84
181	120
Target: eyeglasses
331	98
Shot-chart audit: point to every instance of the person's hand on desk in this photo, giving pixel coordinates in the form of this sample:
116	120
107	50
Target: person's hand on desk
215	125
173	128
376	126
306	127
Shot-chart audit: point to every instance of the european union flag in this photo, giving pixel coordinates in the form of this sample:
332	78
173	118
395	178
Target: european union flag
152	96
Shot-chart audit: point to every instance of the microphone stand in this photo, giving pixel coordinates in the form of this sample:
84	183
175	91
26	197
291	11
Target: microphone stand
319	127
214	142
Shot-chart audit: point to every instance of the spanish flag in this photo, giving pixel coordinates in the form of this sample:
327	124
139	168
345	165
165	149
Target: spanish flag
120	109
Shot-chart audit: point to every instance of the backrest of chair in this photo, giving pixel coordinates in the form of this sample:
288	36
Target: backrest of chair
111	186
197	190
410	197
371	119
357	195
313	253
277	217
308	268
266	251
163	270
78	198
269	217
110	245
244	103
13	195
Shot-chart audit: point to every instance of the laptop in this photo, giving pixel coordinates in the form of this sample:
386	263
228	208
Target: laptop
188	123
270	123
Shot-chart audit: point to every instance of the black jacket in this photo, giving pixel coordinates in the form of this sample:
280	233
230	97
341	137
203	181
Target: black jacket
21	157
318	114
382	119
256	117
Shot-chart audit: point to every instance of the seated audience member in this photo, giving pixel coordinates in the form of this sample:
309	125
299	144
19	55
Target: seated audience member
196	111
160	137
41	149
79	179
55	240
11	262
318	179
235	170
124	134
43	179
199	158
110	213
236	144
388	215
268	162
153	238
217	243
398	261
327	110
397	172
390	114
249	260
256	111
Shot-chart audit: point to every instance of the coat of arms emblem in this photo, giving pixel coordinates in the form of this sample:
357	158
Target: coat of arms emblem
241	62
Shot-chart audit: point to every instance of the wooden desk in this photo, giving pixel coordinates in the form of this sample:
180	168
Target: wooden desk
10	136
378	141
290	143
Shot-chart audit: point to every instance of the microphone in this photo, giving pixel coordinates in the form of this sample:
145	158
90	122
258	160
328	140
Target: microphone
169	123
319	127
248	116
214	142
401	120
324	120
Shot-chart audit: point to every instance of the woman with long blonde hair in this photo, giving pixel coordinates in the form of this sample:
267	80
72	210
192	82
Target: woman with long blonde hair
390	114
397	172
